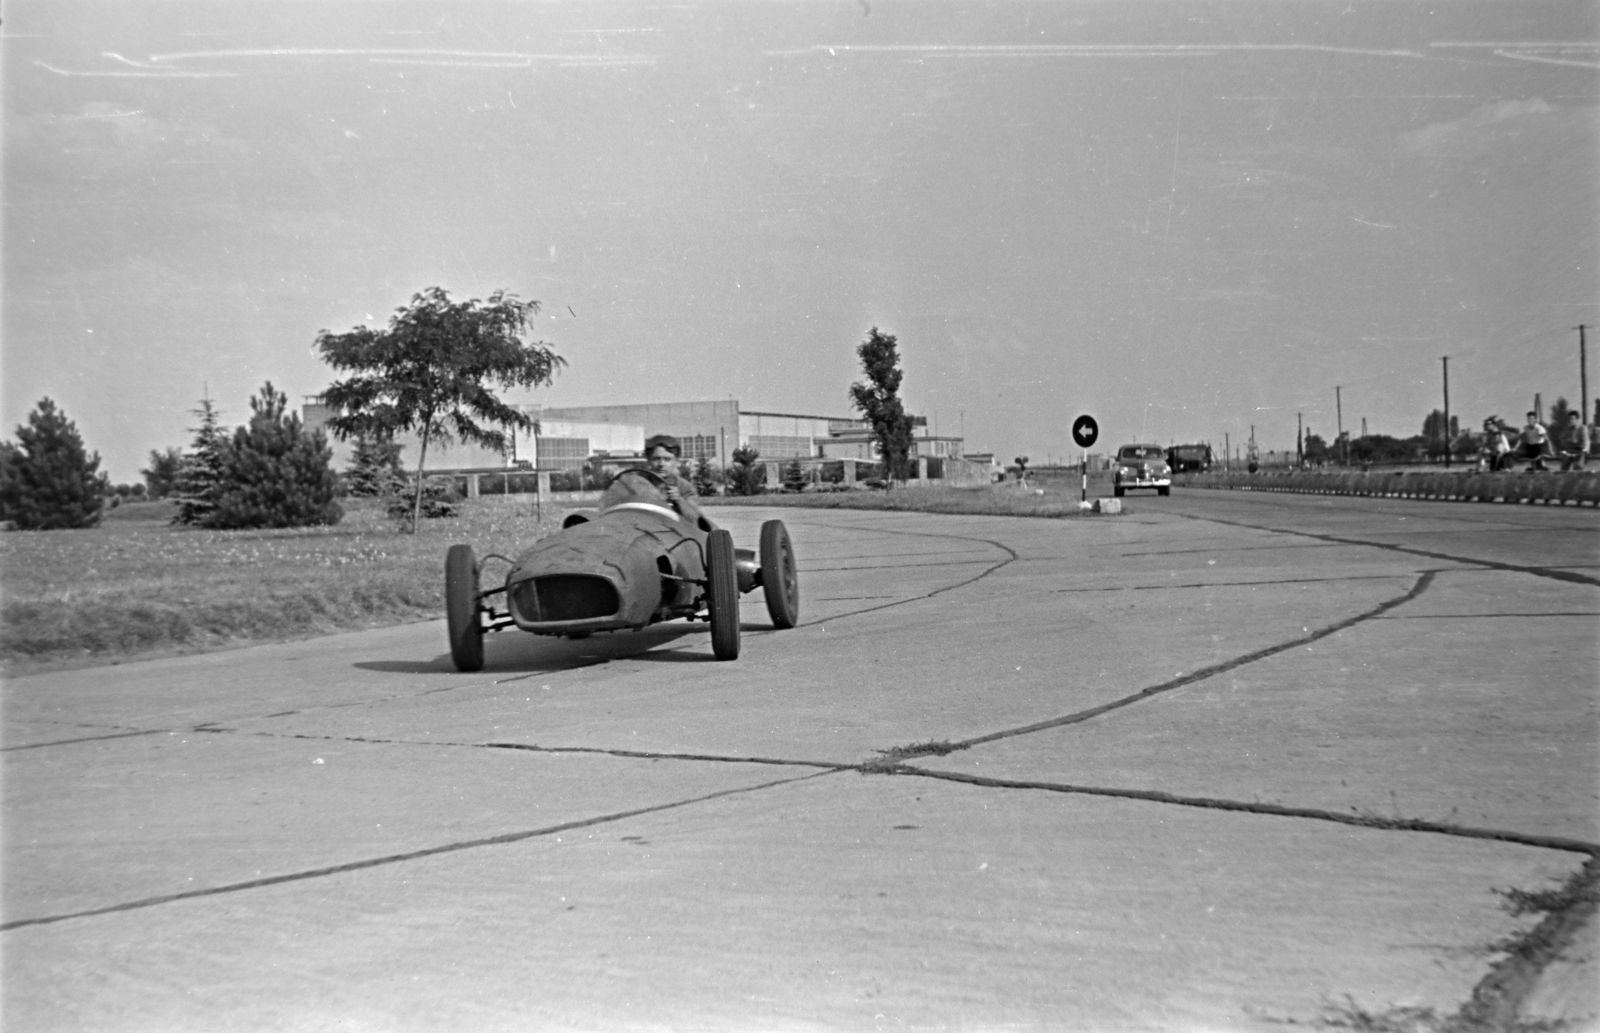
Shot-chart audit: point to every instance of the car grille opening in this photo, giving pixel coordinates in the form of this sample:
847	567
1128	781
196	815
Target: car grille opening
565	597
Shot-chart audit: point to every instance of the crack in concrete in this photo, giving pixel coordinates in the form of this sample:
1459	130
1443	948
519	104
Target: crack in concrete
1516	568
1363	820
388	859
1229	584
1422	584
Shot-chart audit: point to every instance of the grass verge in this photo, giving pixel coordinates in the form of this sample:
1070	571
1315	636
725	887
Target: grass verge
138	587
1053	501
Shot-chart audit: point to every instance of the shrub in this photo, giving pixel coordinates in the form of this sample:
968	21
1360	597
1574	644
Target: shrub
439	499
705	481
274	474
794	477
48	481
744	476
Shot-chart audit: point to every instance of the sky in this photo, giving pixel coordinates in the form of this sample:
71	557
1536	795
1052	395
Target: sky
1186	218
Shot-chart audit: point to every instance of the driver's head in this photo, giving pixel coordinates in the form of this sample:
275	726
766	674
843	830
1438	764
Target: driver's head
662	450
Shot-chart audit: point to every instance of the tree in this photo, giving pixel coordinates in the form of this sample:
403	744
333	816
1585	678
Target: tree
161	476
274	473
200	473
705	481
374	467
879	401
1559	431
432	370
744	477
1435	433
48	481
794	476
1316	449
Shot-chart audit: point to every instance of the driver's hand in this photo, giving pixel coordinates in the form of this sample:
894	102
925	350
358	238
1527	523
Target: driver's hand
671	491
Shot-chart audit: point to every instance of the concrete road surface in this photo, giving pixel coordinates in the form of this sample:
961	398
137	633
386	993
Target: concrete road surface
1225	762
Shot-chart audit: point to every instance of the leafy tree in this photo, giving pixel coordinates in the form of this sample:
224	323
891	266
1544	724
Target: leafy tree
1316	449
879	400
1435	434
48	481
200	473
1022	468
705	481
744	476
274	473
375	466
431	371
161	476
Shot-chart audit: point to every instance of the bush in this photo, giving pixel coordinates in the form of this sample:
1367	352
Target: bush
48	481
274	474
794	476
744	476
439	499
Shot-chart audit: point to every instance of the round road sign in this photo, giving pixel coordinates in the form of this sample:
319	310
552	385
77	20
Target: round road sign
1085	430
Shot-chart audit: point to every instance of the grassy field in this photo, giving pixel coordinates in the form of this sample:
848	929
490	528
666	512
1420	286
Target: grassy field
137	586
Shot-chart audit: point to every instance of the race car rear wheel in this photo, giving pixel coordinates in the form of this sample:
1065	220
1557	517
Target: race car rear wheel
722	594
461	608
780	583
1117	490
1164	491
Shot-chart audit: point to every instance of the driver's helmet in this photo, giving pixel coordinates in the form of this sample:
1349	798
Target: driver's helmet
666	441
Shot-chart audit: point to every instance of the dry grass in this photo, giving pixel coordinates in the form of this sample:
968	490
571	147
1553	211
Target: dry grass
136	586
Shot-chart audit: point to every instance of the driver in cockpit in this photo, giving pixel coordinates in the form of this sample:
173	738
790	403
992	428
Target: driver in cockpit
664	452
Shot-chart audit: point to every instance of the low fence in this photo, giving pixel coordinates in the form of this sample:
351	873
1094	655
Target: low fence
1576	487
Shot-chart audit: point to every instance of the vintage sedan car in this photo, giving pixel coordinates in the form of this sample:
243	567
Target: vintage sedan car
1141	466
636	560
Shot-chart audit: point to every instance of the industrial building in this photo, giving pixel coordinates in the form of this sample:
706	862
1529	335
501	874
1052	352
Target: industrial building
569	437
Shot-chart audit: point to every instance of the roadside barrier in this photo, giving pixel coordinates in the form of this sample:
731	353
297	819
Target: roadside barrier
1574	487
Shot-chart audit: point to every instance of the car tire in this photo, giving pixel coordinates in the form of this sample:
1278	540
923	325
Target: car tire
1164	491
461	608
1117	490
722	594
780	582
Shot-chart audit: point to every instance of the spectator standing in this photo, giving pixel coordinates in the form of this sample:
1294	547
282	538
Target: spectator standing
1579	444
1535	443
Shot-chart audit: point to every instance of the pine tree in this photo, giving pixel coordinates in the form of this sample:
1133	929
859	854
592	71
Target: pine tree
200	474
374	466
705	482
48	481
794	476
274	474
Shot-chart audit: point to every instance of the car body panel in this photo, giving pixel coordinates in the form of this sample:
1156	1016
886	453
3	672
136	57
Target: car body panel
651	557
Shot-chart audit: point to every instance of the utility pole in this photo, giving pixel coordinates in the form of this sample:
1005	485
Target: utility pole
1299	440
1538	408
1363	426
1583	372
1227	452
1446	360
1338	409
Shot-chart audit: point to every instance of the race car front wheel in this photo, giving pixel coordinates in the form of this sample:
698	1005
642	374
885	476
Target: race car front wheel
461	608
779	580
722	594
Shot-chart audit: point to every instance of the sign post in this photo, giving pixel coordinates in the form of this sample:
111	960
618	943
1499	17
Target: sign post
1084	433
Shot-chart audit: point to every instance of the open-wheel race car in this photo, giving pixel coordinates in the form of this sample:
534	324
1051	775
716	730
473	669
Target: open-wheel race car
637	559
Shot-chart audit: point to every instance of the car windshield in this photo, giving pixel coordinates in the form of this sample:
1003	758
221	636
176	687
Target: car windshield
1141	452
633	487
